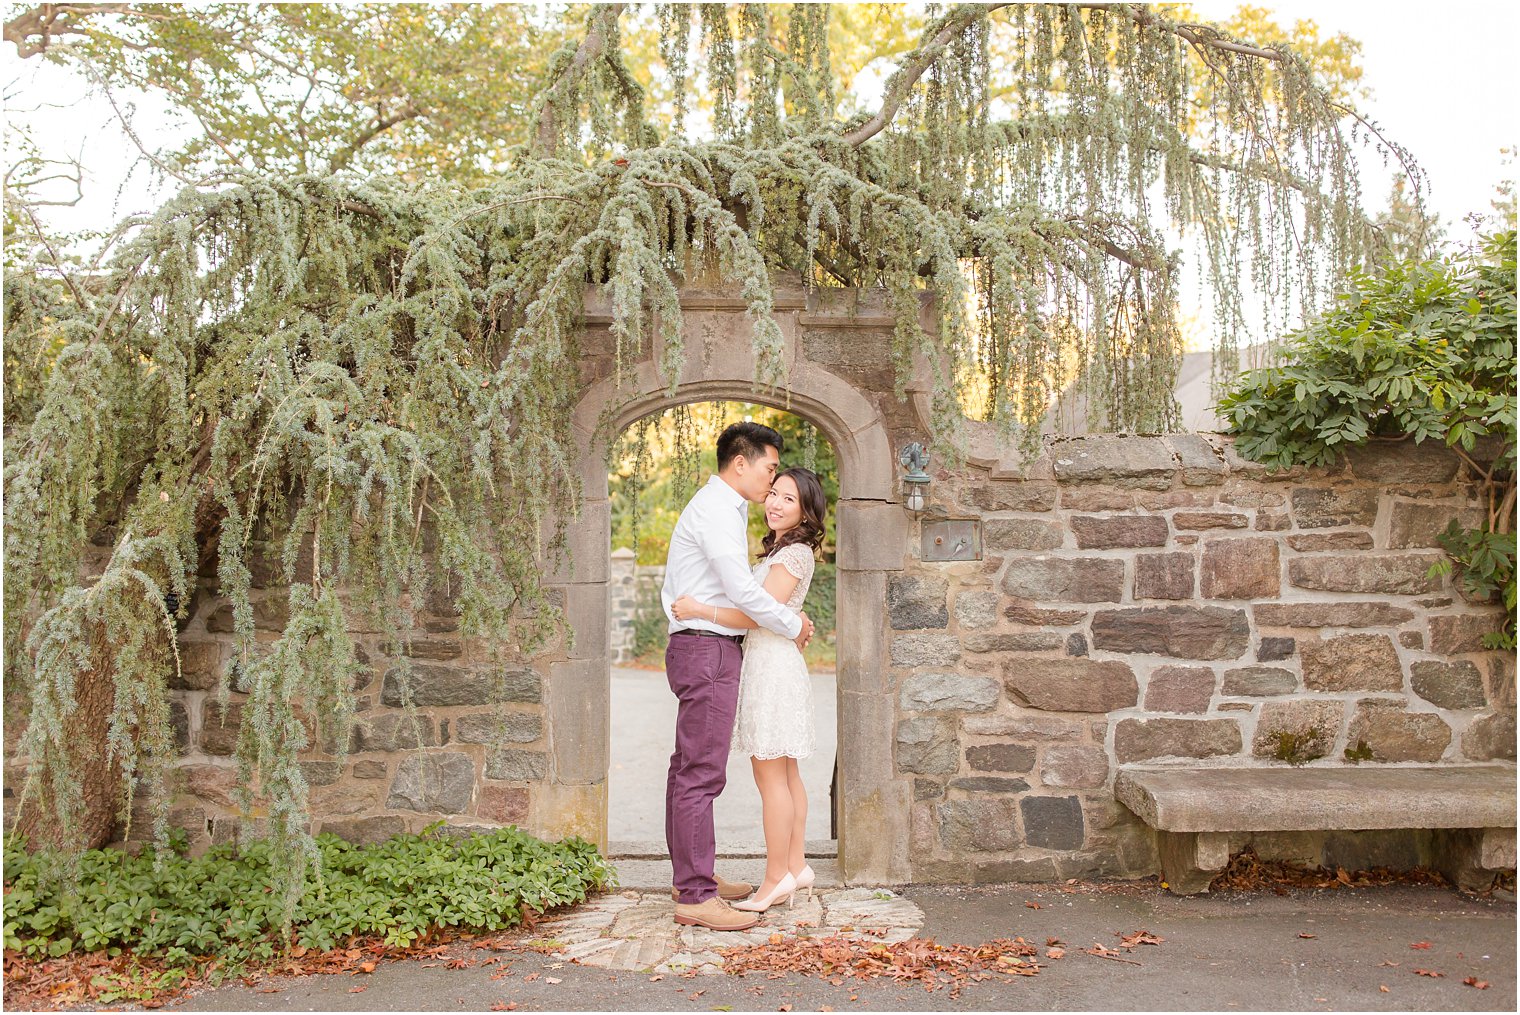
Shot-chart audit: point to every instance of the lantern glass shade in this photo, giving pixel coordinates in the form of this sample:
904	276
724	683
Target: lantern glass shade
915	497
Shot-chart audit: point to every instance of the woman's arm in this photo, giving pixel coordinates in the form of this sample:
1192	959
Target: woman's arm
779	582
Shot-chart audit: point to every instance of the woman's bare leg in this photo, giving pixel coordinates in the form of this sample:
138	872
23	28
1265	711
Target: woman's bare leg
776	816
796	859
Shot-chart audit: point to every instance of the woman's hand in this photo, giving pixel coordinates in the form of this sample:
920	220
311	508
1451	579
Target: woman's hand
687	608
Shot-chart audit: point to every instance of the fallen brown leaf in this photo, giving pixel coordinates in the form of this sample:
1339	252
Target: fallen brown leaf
553	979
1473	981
1139	937
1308	936
1055	953
1427	972
1031	905
357	990
1421	945
533	976
1383	987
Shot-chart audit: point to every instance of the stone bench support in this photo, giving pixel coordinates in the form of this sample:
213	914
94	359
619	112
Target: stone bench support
1470	809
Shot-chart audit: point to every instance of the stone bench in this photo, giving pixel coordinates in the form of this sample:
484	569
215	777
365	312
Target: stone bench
1195	810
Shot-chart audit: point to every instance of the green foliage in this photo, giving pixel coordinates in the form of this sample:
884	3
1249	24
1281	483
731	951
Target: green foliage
1296	748
1420	349
378	376
650	626
1358	754
1423	349
226	903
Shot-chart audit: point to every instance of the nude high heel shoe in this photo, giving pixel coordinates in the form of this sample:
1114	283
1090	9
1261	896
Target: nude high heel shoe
787	886
806	879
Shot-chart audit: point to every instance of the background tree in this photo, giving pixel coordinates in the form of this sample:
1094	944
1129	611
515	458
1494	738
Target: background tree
369	381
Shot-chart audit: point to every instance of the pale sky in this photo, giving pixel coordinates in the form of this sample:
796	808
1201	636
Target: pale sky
1443	79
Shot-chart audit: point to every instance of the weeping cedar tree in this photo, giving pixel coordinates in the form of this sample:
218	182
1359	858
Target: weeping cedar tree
377	380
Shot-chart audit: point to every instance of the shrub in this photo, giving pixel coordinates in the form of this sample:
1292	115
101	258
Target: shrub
1416	350
177	907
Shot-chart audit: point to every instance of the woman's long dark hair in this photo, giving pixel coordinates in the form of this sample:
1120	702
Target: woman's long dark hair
810	530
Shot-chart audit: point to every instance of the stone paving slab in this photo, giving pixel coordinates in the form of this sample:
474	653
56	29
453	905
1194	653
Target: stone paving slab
634	930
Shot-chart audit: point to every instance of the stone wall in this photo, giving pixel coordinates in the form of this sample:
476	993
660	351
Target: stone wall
1150	600
629	586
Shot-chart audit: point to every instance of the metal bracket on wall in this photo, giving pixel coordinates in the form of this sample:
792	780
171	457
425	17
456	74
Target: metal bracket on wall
952	540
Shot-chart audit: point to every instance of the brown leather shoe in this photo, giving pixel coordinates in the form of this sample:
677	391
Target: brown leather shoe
714	914
728	891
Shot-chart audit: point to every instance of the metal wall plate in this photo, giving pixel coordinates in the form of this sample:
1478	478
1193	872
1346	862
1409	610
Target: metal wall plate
952	540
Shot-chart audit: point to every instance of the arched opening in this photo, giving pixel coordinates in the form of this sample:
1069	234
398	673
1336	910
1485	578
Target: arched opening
656	465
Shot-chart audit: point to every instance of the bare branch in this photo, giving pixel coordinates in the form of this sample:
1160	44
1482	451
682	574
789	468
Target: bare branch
597	24
920	60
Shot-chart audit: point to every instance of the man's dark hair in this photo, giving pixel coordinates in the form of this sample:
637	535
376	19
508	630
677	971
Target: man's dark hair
747	439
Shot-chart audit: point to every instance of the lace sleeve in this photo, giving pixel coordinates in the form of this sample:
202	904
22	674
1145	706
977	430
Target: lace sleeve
798	560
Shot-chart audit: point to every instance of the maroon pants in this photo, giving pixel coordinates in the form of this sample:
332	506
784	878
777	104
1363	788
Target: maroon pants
704	674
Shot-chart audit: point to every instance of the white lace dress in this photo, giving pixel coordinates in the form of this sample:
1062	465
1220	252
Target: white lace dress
775	717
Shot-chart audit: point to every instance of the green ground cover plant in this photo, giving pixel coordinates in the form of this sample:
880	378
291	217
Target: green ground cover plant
224	904
1414	349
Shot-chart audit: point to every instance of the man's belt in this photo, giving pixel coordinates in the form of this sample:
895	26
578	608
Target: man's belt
737	639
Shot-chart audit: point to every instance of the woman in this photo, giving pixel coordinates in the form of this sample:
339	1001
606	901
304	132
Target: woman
774	724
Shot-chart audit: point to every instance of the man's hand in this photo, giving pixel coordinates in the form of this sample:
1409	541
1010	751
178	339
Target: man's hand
806	634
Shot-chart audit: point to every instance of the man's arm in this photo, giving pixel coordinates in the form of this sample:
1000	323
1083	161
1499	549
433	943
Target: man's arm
727	561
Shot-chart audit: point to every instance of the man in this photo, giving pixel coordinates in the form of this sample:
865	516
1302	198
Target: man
709	561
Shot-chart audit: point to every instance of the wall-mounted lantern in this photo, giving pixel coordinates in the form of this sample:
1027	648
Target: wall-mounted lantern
914	460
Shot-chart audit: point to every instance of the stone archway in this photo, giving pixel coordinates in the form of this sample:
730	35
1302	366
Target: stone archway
872	530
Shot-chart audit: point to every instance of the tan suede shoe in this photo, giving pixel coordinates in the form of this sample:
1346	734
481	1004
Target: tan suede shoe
728	891
714	914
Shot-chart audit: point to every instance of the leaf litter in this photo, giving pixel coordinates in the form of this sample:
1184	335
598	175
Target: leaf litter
920	960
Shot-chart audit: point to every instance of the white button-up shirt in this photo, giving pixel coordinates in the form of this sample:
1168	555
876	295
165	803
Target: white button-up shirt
709	561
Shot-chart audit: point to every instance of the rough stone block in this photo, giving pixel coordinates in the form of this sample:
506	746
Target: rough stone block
910	650
1096	498
366	831
1418	523
212	783
1402	462
989	784
1352	662
271	613
370	768
1012	641
1065	579
995	495
1392	734
1490	737
1454	634
1001	535
1259	681
436	685
579	724
1032	725
1000	758
934	692
1501	680
1240	569
1076	644
391	732
1397	574
431	649
917	601
1316	507
1195	521
219	727
1270	650
1144	739
1164	576
975	610
321	773
1179	689
1096	532
1297	731
433	784
1132	462
498	727
1336	614
200	663
1318	542
1074	767
1186	632
1071	685
506	805
1202	463
1053	822
982	824
927	746
1023	613
1456	684
513	765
